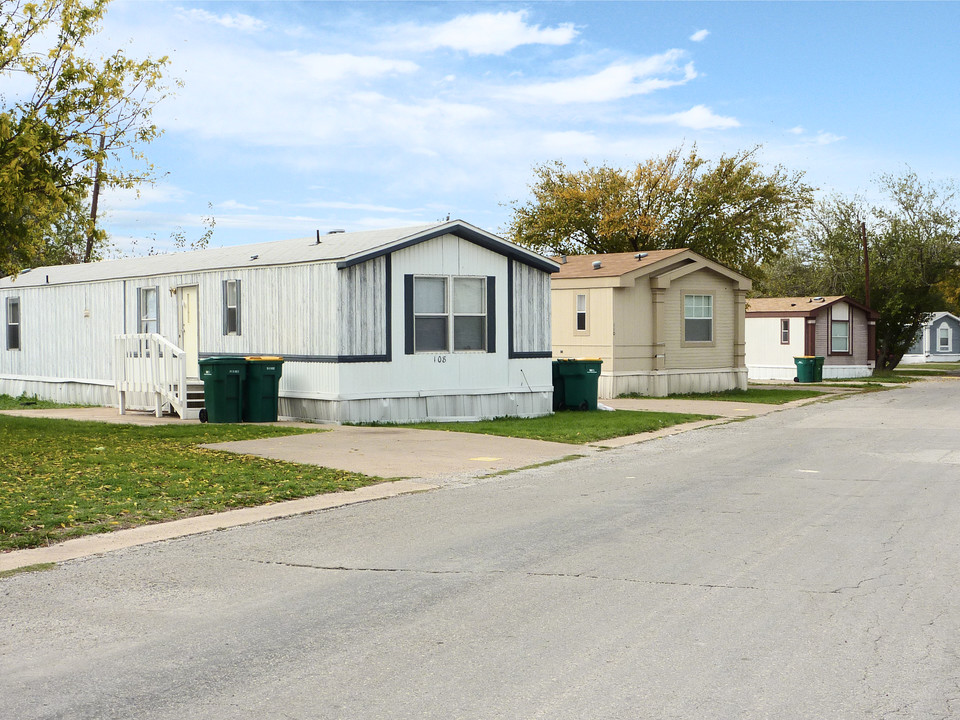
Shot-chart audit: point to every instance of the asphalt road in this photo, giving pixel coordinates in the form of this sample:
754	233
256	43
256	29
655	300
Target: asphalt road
797	565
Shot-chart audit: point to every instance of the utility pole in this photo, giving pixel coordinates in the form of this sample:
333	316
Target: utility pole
96	196
866	264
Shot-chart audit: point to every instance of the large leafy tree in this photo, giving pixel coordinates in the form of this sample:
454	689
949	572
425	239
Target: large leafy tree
730	210
913	249
69	122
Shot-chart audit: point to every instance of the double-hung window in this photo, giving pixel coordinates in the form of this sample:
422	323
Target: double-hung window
840	329
581	312
149	316
13	323
943	338
449	313
698	318
785	331
231	307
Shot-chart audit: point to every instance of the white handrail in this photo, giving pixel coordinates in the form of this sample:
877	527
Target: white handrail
149	363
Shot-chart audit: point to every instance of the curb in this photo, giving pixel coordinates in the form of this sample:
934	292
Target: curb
144	534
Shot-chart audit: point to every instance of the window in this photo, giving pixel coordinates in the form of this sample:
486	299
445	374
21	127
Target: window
581	312
446	308
698	318
231	307
785	332
943	338
840	336
13	323
148	310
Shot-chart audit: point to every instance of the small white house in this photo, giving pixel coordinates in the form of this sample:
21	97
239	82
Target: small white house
937	341
442	321
837	328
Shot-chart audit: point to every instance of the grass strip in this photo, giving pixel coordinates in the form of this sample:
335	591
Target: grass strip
569	426
61	479
770	396
24	402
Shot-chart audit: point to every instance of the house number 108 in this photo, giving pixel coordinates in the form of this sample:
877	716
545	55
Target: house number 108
440	358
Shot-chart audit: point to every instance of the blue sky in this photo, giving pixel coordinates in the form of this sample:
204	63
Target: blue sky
295	117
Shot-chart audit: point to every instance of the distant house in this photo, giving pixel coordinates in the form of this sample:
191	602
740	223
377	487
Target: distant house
937	341
663	322
443	321
838	328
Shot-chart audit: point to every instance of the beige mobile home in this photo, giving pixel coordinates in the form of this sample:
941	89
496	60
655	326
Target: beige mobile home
443	321
663	322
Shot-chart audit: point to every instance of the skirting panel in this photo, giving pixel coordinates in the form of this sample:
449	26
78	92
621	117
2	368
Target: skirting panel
440	408
672	382
788	373
68	393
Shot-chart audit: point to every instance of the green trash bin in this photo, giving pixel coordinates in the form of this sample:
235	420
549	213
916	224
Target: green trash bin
222	389
806	368
558	387
579	380
261	388
818	368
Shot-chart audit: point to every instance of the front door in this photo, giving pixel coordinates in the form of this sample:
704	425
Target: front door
190	328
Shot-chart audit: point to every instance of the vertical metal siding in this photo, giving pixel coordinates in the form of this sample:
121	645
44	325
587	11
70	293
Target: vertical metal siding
531	309
362	308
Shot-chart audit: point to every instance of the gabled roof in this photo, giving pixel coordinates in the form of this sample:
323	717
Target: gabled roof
624	268
805	306
345	249
939	316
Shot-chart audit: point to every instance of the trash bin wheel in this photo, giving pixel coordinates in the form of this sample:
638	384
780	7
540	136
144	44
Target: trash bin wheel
796	379
584	405
203	415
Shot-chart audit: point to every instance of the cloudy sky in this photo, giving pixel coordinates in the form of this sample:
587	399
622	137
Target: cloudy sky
295	117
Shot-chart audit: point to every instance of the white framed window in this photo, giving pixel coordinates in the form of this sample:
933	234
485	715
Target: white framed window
581	312
13	323
148	310
785	331
449	313
698	318
840	330
231	307
944	338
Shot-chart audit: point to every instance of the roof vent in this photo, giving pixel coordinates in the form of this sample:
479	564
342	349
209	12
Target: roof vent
318	238
640	256
254	257
563	259
336	231
818	298
597	264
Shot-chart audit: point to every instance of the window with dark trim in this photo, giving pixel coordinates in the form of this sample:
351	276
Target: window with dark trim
148	310
13	323
698	318
231	307
450	313
581	312
785	331
840	336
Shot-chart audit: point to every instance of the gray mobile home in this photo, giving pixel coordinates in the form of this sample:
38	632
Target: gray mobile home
937	341
443	321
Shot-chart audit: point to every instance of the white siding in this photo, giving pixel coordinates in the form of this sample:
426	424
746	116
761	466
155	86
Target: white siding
362	308
531	309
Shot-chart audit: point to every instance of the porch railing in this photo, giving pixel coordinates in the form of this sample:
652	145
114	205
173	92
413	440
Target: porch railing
150	364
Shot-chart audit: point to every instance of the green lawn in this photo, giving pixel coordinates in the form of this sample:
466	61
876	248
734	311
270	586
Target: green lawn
8	402
569	426
771	396
61	479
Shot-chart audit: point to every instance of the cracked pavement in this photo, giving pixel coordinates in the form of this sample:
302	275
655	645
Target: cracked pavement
797	565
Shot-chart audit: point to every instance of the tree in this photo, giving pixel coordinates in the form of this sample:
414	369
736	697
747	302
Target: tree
729	210
913	242
78	124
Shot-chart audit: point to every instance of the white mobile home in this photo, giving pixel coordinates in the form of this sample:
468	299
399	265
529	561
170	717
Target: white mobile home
443	321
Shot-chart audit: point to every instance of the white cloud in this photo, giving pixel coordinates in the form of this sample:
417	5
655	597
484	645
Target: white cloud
699	117
481	34
240	21
798	130
699	36
332	68
233	205
826	138
618	81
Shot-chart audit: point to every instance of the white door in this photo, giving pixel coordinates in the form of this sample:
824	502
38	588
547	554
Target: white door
190	328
